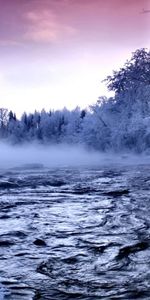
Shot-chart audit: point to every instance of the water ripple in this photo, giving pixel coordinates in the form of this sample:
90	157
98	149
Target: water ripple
75	233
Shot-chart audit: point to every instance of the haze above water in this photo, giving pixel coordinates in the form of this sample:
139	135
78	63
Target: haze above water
61	156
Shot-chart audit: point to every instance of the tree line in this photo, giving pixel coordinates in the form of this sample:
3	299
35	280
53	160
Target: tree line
118	123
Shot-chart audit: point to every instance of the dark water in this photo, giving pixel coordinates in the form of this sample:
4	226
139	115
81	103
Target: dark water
75	233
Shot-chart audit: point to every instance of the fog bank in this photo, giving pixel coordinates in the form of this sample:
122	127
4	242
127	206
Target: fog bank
48	156
61	156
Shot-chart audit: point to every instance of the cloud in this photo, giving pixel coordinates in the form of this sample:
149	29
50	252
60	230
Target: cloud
44	26
10	42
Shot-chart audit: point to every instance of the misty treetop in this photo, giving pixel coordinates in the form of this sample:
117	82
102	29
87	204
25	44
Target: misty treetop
117	123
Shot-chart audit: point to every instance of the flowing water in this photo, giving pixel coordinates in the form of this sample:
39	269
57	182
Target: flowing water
75	233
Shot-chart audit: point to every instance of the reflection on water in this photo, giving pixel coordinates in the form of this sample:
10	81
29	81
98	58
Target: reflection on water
75	233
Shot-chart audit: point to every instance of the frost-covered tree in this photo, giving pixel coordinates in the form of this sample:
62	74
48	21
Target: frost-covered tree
119	123
73	127
135	73
96	128
11	125
3	122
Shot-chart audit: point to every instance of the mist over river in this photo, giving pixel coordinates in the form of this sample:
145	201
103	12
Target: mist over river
75	232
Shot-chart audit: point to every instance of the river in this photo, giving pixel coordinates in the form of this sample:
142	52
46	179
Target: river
75	233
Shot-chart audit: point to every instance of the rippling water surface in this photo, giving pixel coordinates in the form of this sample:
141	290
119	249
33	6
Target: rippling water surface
75	233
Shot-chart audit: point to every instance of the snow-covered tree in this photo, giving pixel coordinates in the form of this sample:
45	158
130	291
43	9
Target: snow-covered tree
3	121
136	72
118	123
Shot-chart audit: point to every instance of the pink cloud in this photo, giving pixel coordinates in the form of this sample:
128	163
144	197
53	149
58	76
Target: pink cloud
74	23
10	42
44	26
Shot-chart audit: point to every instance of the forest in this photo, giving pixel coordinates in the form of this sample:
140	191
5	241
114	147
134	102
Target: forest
117	123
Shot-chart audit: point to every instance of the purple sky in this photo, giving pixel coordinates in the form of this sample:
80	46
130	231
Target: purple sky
54	53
